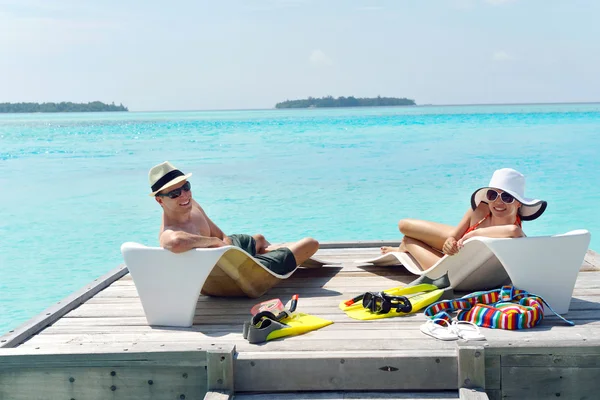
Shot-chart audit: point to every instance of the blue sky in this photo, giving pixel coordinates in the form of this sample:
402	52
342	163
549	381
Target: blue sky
193	55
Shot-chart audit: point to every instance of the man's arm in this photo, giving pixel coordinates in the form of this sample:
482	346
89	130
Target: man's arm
180	241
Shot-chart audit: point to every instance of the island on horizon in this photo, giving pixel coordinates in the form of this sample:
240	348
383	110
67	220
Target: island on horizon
351	101
93	106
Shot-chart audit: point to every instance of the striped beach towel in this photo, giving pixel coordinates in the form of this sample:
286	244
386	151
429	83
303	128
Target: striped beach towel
504	308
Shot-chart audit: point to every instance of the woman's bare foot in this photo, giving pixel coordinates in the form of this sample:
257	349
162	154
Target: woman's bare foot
388	249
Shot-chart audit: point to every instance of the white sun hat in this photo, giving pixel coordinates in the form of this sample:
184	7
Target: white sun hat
163	175
512	182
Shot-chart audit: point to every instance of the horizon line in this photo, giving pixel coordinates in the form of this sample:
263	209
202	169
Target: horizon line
404	106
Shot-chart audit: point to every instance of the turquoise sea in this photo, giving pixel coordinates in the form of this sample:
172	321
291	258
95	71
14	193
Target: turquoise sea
74	186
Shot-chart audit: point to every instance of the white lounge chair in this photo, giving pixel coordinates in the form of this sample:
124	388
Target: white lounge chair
169	284
543	265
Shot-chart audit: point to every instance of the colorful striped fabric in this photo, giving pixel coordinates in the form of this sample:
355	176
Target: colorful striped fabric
504	308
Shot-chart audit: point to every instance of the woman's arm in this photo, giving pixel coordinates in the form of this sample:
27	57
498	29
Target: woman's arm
462	226
451	246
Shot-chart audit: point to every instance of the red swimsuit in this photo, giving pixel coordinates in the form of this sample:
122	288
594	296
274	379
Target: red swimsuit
472	228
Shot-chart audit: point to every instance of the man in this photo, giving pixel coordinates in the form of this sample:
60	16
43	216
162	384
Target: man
186	226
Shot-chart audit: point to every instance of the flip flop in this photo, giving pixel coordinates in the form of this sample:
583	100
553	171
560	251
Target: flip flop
466	330
438	331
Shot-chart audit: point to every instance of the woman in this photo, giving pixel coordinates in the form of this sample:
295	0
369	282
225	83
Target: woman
496	211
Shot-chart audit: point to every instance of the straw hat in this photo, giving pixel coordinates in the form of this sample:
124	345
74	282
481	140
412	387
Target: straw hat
164	175
512	182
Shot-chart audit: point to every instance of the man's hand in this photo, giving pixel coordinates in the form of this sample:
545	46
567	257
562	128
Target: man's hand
450	246
227	241
216	242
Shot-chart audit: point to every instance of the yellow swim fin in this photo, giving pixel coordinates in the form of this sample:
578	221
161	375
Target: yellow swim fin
419	296
297	324
266	325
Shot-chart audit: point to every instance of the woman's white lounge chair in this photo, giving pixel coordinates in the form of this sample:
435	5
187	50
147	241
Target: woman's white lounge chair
543	265
169	284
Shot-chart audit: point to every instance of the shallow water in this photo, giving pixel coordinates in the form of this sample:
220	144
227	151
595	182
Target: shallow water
75	185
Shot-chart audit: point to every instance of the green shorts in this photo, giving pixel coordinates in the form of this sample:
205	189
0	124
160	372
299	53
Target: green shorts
280	261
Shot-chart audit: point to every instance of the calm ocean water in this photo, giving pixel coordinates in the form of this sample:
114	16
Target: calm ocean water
75	185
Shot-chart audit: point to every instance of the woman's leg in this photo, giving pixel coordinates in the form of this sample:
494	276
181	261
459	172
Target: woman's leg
424	254
430	233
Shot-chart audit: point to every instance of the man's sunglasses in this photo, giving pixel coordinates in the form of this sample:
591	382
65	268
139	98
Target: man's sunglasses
175	193
506	198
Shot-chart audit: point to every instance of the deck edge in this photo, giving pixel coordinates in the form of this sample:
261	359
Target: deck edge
50	315
356	244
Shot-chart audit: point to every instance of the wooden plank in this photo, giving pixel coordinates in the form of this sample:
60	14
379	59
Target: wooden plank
438	395
139	375
593	258
566	346
345	371
23	357
472	394
549	382
308	341
493	370
471	366
140	323
426	348
554	360
55	312
152	382
220	369
92	326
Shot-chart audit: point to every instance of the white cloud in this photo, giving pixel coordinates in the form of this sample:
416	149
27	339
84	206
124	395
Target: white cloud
319	59
501	55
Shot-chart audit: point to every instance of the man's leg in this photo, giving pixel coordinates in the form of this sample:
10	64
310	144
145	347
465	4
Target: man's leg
284	259
430	233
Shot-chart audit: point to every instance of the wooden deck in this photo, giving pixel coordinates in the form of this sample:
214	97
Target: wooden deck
104	349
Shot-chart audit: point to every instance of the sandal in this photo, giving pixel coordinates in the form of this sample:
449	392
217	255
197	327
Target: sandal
441	332
466	330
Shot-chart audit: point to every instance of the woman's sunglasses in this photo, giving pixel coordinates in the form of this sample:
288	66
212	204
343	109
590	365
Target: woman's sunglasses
175	193
506	198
